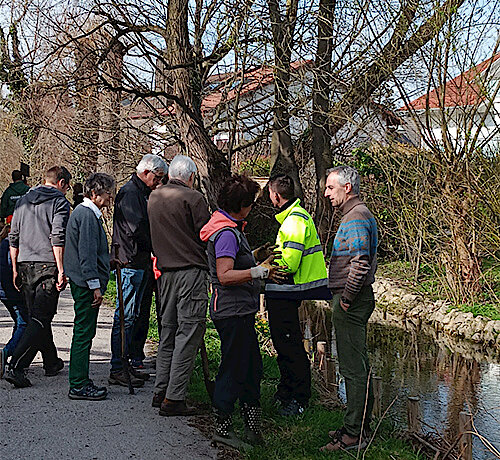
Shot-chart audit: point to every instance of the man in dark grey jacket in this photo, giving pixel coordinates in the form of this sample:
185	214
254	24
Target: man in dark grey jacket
131	233
37	241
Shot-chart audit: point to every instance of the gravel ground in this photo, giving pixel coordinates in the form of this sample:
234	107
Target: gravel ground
41	422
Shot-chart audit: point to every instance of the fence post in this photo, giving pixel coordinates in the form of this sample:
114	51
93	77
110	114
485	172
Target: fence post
330	374
321	350
413	414
308	339
262	306
377	396
465	429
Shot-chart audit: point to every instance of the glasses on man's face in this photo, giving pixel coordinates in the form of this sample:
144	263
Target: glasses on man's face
158	177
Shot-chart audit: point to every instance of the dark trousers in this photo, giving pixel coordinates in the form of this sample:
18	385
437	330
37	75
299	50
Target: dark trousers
38	286
19	315
295	369
141	324
240	370
84	331
350	331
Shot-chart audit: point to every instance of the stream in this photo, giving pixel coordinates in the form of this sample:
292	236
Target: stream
413	363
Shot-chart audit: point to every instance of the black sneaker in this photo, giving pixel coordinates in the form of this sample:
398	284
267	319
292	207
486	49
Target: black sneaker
17	378
53	370
293	407
89	392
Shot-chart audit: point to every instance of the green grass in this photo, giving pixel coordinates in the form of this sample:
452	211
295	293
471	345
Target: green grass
286	438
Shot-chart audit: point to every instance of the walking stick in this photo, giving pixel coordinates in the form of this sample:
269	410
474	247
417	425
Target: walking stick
121	310
209	384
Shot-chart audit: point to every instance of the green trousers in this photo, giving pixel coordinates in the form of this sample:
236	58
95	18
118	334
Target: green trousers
350	330
83	332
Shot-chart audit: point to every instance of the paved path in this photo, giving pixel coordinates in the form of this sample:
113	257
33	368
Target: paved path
41	422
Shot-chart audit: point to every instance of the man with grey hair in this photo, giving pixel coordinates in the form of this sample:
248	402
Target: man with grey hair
351	274
176	214
131	233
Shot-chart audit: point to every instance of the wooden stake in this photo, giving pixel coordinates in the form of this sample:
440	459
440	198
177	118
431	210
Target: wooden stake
330	374
377	396
413	414
262	306
321	350
465	429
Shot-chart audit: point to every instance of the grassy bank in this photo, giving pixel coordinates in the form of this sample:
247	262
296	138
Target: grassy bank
299	437
286	438
430	284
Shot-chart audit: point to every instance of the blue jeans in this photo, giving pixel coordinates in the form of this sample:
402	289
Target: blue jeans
20	317
133	288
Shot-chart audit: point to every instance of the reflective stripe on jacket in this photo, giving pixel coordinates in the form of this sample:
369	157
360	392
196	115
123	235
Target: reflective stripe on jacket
302	255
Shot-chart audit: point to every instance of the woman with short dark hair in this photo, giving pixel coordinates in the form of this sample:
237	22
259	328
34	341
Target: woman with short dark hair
86	263
236	280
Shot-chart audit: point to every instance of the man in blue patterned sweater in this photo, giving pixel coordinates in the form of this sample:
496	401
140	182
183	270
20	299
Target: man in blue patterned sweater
351	275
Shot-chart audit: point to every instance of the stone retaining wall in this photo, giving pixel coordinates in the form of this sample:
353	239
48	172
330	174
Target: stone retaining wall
395	300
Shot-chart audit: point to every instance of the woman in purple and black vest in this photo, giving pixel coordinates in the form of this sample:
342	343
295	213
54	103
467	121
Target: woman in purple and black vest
235	278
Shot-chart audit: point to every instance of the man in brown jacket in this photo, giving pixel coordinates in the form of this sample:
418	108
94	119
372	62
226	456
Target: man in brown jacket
176	215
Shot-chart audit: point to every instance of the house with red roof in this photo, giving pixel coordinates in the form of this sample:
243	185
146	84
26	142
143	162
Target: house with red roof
238	107
462	108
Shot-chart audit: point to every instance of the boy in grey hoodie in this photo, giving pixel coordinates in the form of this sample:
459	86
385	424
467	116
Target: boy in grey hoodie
37	240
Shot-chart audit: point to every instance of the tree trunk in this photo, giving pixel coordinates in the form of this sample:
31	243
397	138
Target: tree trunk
213	166
321	139
110	142
282	154
87	120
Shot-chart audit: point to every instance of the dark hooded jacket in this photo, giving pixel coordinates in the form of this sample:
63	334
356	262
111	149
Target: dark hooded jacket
10	197
39	222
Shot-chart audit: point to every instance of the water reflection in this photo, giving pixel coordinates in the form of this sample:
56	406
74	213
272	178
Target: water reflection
411	362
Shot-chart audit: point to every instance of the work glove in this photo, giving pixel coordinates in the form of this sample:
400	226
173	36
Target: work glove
265	269
263	252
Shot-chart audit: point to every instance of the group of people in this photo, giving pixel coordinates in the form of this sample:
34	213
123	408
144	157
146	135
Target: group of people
167	233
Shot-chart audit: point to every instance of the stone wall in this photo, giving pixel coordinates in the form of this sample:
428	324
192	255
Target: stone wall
394	301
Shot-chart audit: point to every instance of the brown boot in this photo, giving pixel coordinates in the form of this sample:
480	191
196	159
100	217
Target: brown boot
119	378
170	408
158	399
138	374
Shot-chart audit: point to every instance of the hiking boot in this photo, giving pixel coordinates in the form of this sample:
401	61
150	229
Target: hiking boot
89	392
17	378
138	374
252	416
158	399
119	378
291	408
53	370
3	361
225	435
169	408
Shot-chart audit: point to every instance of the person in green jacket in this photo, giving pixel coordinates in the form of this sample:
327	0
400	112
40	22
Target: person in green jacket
12	193
302	258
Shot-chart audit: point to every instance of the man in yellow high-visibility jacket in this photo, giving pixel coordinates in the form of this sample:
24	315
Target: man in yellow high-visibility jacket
302	258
